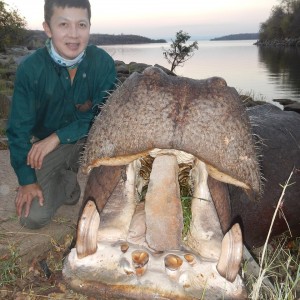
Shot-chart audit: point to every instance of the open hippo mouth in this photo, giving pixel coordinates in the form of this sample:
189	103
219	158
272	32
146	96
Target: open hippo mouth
158	131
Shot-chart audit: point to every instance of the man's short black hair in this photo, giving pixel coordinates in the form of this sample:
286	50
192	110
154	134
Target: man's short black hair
49	6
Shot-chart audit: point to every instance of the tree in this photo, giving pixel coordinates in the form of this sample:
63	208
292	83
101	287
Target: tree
179	52
284	21
12	26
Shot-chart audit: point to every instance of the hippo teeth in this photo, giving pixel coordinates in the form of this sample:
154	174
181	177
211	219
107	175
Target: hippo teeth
87	230
173	262
133	240
231	253
159	232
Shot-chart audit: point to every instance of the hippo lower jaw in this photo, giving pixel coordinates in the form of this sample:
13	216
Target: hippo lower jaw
133	249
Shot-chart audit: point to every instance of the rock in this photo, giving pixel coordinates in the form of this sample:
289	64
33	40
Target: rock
289	105
6	60
165	70
284	101
137	67
18	51
292	107
4	106
125	70
122	69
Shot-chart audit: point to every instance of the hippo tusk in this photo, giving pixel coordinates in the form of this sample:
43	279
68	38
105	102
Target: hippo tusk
231	253
87	230
205	235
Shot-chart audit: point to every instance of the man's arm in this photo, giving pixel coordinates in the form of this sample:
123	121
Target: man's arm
20	124
25	196
40	149
35	159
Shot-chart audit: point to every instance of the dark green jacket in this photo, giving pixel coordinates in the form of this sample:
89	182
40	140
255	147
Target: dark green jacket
44	102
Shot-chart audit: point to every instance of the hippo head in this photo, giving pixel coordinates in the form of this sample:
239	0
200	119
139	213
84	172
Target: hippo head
132	247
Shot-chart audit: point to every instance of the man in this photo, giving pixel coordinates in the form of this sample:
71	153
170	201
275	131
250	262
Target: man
58	90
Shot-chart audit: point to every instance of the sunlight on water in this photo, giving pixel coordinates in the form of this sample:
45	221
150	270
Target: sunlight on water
242	64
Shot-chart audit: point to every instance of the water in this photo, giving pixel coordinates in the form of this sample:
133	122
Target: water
265	73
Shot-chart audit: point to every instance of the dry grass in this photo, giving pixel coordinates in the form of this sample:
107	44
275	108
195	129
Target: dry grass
281	269
279	264
42	279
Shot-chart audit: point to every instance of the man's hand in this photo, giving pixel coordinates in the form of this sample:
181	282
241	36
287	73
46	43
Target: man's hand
40	149
25	195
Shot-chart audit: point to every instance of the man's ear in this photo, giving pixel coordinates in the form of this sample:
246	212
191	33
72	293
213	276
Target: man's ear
47	29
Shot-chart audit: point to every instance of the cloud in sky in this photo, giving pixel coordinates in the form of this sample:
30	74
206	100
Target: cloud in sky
162	18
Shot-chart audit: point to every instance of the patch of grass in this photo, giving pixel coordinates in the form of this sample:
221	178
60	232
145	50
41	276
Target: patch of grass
41	279
282	268
280	263
186	202
6	87
247	96
10	270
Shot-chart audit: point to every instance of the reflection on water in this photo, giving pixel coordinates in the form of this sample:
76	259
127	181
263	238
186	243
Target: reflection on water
283	65
267	73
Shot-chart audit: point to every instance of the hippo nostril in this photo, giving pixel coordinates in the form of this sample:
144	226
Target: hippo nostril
173	262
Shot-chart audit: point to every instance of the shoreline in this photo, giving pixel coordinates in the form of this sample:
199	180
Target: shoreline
287	42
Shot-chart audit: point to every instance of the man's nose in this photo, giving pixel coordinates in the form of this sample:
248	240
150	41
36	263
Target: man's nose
73	31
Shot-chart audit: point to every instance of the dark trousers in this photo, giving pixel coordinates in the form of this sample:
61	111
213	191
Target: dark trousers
58	180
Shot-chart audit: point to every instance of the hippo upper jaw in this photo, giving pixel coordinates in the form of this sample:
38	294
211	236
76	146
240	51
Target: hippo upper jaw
182	157
204	118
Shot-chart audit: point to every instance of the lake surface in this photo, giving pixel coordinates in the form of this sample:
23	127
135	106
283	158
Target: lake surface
266	73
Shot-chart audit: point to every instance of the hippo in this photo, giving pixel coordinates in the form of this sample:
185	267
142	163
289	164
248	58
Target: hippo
157	137
278	137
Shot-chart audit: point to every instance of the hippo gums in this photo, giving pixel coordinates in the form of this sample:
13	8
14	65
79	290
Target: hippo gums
157	138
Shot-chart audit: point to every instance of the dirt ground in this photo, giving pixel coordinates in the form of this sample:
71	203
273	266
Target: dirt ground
37	252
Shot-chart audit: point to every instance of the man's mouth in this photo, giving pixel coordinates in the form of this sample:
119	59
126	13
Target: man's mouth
73	46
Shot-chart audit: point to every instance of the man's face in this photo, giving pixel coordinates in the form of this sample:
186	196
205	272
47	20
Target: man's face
69	29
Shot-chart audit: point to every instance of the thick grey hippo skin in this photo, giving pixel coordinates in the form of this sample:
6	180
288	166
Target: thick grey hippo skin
278	136
156	137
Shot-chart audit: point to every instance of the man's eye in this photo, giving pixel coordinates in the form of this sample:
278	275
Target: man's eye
63	24
82	25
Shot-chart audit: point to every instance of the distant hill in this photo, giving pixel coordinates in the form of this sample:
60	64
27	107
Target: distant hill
239	36
122	39
36	38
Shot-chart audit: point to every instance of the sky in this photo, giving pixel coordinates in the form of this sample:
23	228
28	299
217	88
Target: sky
163	18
